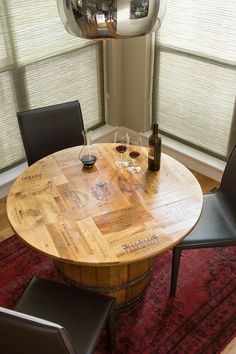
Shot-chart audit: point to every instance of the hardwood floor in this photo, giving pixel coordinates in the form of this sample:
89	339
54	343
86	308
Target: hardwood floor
206	183
5	228
231	347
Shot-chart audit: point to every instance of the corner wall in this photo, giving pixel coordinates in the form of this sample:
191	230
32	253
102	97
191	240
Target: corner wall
128	82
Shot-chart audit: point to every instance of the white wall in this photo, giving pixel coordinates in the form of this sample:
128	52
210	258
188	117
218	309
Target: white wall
128	86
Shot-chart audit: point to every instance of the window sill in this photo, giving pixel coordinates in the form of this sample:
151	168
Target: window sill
193	159
104	133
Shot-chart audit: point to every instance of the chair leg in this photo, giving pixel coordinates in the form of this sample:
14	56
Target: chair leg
111	329
176	254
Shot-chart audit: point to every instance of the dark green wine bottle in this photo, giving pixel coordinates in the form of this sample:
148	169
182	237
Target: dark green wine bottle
154	152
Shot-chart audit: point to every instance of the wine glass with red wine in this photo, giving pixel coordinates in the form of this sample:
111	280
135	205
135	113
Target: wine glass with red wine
135	143
121	144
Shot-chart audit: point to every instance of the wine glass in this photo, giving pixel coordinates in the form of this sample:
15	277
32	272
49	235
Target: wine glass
121	142
135	144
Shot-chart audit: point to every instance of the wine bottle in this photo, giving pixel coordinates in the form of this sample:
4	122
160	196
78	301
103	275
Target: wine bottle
154	153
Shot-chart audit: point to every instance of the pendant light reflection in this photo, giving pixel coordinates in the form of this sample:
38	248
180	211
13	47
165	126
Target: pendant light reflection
94	19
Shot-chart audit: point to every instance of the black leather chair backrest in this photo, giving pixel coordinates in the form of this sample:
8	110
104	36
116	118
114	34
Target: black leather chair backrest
21	333
228	184
50	129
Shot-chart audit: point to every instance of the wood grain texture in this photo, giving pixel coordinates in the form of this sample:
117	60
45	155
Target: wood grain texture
104	226
5	228
103	215
124	282
206	183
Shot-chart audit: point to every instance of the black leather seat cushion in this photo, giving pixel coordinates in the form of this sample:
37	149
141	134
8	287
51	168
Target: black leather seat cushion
21	333
46	299
216	224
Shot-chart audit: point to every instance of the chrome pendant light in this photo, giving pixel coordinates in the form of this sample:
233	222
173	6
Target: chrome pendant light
94	19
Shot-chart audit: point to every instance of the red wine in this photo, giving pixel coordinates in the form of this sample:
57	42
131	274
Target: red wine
121	148
88	160
134	154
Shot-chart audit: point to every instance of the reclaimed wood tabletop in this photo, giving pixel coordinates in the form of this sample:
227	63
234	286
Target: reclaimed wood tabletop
103	216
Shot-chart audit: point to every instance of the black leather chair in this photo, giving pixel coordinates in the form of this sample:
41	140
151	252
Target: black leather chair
217	224
52	318
50	129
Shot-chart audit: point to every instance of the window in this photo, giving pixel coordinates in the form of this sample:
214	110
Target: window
41	64
195	77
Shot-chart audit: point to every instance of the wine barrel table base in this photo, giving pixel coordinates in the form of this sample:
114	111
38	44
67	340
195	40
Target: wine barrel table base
103	226
124	282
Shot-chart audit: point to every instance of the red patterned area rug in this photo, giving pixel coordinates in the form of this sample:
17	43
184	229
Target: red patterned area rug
200	319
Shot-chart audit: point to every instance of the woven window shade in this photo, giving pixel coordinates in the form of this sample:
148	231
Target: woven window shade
41	64
195	76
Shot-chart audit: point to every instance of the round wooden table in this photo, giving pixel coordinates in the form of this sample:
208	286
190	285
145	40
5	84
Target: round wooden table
103	226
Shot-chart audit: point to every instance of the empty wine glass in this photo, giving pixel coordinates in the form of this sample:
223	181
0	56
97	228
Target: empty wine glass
135	144
121	142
